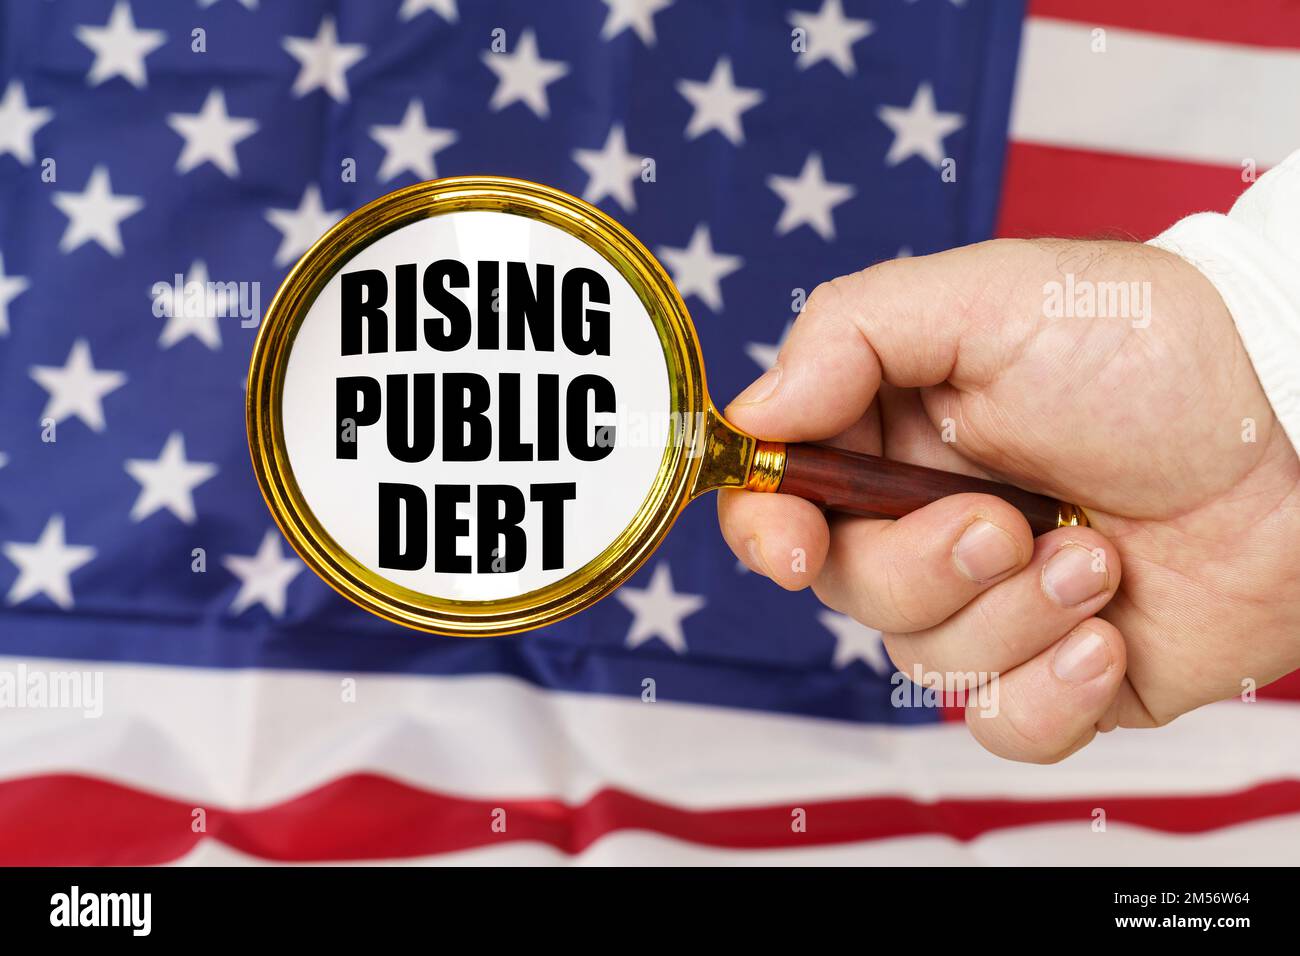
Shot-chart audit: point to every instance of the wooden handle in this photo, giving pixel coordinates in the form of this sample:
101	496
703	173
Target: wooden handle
879	488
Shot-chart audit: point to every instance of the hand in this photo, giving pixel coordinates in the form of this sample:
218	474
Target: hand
1186	584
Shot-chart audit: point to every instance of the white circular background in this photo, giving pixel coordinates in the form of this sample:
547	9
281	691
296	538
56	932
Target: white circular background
343	494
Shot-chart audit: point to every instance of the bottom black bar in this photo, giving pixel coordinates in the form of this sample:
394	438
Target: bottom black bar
333	905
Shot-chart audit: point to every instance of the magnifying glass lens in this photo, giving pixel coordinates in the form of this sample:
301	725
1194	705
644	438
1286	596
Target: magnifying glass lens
468	405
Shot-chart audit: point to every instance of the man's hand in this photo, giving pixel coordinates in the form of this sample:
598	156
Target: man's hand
1188	583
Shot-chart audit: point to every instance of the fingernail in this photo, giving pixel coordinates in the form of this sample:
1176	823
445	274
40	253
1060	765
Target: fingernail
1073	575
761	389
756	557
1083	656
984	551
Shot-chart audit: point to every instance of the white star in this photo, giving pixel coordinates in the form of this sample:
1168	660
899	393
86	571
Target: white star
19	123
96	213
10	288
444	8
854	641
699	270
168	481
830	36
302	226
658	610
411	145
120	48
919	129
718	103
210	135
611	170
323	61
46	566
263	577
523	76
763	353
4	459
809	198
78	388
194	310
247	4
637	14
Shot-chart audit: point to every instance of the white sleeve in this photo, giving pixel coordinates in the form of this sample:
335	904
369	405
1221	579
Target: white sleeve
1252	256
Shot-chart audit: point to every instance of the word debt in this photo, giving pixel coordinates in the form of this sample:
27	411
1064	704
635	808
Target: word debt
409	521
420	405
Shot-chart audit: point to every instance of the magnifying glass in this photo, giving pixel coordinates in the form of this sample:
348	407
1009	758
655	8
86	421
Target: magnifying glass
477	405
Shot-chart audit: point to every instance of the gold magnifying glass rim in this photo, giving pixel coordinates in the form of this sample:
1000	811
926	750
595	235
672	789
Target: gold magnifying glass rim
679	470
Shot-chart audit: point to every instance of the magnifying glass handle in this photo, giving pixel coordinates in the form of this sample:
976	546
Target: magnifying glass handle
875	487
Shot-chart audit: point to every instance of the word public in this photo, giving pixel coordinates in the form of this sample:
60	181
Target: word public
445	415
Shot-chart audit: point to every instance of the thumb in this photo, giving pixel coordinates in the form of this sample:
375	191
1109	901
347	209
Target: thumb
901	321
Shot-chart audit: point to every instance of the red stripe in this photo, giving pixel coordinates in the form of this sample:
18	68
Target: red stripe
1271	23
74	820
1048	191
1284	688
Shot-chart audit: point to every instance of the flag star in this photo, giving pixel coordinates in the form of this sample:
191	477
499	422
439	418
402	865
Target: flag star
120	48
718	103
323	61
96	213
10	288
411	145
263	577
168	481
809	198
919	129
302	226
4	459
46	565
194	309
830	36
658	610
523	76
444	8
637	14
699	270
210	135
78	388
764	354
247	4
19	123
611	170
854	641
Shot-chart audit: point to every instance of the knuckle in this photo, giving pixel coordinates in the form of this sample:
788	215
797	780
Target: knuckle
992	627
830	596
836	296
824	298
902	652
905	606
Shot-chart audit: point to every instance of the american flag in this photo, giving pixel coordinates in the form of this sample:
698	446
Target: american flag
247	713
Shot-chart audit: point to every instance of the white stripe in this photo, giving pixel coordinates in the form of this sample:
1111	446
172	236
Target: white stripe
1157	96
1274	842
250	738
